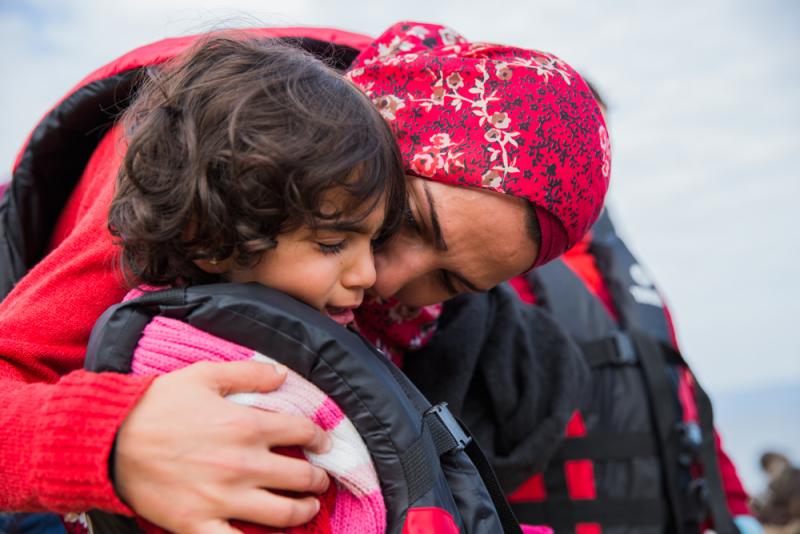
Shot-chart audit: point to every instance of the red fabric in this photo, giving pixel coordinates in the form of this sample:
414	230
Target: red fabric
579	474
523	289
430	520
515	121
532	489
58	422
321	524
734	490
583	264
394	328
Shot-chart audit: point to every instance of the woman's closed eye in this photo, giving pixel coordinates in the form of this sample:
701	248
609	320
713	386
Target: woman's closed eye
446	279
449	280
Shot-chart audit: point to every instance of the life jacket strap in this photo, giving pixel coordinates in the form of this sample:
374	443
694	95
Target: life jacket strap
616	349
604	447
562	513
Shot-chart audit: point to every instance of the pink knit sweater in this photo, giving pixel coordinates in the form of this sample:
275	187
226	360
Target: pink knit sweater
169	344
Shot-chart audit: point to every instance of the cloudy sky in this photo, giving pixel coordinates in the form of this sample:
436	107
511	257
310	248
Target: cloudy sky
705	122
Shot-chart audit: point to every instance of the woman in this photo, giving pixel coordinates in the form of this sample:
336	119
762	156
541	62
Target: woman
59	426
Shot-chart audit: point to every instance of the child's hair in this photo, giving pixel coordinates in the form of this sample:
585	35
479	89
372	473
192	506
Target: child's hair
236	142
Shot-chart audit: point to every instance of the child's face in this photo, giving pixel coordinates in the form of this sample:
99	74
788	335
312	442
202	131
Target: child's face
328	269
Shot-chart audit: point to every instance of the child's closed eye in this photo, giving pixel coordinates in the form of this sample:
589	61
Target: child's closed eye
332	248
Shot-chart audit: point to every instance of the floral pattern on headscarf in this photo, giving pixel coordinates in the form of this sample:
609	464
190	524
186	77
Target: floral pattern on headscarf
511	120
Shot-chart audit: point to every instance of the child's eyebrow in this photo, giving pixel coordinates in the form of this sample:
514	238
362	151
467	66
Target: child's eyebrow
357	227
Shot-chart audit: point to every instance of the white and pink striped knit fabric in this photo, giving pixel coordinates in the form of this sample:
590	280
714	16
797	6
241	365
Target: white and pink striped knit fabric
169	344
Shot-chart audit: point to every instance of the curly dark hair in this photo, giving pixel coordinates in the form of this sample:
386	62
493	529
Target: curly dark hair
236	142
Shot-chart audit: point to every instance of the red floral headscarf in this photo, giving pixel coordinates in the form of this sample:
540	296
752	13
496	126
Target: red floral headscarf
515	121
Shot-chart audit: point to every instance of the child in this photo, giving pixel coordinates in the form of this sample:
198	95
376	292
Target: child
253	162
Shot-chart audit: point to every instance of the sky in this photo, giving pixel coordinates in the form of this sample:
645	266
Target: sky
704	120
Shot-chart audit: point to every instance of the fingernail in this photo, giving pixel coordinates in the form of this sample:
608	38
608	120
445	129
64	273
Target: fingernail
280	369
316	505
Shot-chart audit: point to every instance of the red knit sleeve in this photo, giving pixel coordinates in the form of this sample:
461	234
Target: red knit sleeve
55	440
57	423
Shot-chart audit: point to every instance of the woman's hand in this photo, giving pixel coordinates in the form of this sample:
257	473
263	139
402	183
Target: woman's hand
188	460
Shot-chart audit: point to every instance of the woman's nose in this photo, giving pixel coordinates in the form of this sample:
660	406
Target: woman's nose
397	267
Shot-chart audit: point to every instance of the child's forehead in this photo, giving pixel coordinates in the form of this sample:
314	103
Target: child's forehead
343	211
339	201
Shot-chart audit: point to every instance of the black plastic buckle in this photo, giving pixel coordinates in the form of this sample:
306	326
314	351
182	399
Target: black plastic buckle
690	439
625	349
449	422
699	491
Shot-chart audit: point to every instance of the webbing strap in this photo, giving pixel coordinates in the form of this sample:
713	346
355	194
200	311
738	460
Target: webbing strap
561	512
504	511
415	461
607	447
664	412
616	349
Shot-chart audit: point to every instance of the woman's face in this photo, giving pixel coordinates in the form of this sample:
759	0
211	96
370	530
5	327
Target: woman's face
455	239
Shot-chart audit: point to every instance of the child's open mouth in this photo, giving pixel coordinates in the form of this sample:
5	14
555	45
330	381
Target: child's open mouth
343	316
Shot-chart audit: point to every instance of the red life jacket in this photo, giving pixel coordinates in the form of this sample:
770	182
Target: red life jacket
641	454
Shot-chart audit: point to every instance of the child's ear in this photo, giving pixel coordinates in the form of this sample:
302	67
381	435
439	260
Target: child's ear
215	266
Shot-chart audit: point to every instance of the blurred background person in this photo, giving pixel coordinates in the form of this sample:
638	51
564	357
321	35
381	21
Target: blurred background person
778	507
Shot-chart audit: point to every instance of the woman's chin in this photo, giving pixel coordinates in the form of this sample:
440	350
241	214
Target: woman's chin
417	299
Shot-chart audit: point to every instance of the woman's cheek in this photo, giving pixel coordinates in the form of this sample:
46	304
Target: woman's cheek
422	291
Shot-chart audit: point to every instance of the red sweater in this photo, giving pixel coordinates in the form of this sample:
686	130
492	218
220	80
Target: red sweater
57	422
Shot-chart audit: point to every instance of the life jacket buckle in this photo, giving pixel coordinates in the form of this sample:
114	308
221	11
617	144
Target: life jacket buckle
691	440
448	435
626	352
699	491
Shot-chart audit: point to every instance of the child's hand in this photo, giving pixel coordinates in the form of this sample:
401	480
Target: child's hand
188	460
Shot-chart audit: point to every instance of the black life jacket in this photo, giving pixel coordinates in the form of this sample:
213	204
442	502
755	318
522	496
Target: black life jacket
424	458
642	450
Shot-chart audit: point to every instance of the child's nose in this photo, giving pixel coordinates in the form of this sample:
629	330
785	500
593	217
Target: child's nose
361	273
